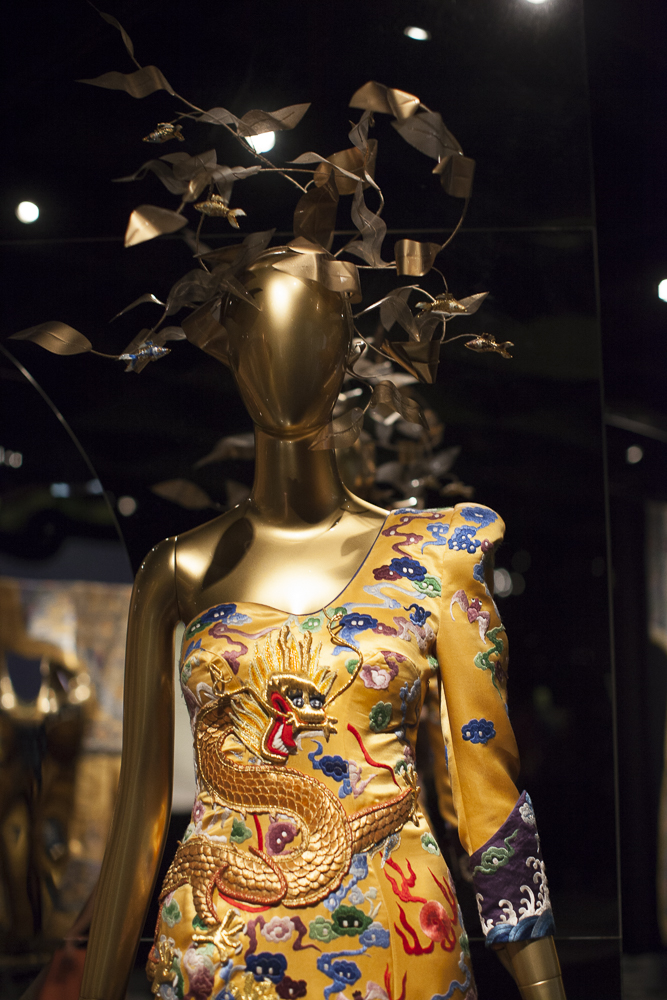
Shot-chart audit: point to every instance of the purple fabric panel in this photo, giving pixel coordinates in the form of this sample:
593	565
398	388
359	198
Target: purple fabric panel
510	882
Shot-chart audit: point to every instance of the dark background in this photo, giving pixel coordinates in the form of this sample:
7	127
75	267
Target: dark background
563	107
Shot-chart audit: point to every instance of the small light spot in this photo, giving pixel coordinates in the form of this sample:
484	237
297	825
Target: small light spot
634	454
536	1
518	584
94	486
418	34
662	290
59	489
27	211
263	142
502	583
126	506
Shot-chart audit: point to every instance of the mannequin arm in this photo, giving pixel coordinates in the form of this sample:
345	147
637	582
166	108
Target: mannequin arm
139	826
535	968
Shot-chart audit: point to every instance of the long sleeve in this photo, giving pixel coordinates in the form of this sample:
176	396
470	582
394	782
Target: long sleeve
496	825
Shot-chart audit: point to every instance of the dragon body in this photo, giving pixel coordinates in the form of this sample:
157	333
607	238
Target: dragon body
286	696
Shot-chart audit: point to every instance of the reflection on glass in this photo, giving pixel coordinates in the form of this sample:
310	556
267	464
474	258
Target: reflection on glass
64	596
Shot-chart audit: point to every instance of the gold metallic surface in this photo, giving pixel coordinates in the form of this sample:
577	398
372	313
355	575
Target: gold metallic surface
329	837
141	816
536	969
548	989
148	221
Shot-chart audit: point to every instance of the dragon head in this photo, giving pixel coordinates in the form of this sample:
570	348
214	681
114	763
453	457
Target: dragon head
286	695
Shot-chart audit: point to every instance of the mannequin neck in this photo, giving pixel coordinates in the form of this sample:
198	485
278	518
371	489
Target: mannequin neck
295	487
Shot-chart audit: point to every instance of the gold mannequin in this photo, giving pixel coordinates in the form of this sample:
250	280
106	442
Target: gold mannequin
299	524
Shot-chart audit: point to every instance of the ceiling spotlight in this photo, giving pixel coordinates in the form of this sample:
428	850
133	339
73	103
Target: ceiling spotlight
662	290
634	454
263	142
27	212
418	34
536	1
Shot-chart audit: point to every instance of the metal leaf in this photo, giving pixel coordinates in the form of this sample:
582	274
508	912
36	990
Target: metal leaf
358	135
428	323
149	221
204	331
336	275
162	170
256	122
316	158
224	178
385	393
420	359
427	133
372	228
218	116
56	337
141	83
315	214
443	460
183	492
194	287
148	297
240	446
415	258
168	333
354	162
456	175
394	309
236	258
341	432
186	167
377	97
116	24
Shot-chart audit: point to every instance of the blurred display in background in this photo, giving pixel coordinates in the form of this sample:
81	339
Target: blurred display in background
64	596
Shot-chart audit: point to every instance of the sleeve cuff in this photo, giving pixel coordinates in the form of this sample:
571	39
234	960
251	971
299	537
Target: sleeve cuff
510	881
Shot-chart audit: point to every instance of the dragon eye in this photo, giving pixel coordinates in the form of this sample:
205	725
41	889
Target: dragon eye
316	700
295	695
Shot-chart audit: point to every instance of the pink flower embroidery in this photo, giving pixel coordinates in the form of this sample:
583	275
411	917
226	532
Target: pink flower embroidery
278	929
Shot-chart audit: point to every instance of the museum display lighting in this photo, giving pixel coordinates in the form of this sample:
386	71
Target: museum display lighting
662	290
417	34
27	211
263	142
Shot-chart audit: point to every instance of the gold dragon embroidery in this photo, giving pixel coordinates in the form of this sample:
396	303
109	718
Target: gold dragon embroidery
287	694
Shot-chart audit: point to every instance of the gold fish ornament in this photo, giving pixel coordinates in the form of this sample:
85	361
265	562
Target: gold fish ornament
445	303
486	342
164	132
216	205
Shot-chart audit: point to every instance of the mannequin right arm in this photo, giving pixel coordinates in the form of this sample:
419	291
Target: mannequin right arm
141	816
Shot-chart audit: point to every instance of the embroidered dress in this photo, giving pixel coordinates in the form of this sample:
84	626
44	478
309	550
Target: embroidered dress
307	869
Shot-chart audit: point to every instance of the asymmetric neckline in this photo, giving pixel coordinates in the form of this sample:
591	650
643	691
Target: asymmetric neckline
319	611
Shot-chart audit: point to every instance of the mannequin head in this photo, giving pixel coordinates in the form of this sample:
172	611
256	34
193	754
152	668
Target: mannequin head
288	356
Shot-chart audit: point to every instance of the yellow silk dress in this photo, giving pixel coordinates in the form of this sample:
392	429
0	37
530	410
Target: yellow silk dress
307	869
